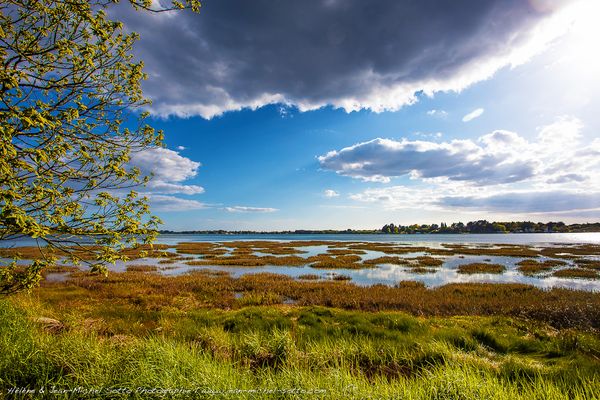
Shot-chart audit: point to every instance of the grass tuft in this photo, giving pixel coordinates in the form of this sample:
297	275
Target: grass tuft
481	268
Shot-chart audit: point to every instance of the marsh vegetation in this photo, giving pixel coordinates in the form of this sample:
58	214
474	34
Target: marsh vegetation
318	332
209	331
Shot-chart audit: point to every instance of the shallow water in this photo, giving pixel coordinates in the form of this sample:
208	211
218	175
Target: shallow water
430	239
389	274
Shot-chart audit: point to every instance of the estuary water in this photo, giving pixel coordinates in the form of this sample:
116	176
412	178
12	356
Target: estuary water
429	239
510	238
387	274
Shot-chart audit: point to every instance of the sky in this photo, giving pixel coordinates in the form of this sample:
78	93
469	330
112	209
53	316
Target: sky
331	114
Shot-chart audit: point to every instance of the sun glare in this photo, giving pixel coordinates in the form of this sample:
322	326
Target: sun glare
582	41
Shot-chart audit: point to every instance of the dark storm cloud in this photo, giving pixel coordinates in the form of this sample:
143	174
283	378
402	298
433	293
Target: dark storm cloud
351	54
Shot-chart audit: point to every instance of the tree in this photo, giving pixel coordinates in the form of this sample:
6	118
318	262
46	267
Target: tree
68	81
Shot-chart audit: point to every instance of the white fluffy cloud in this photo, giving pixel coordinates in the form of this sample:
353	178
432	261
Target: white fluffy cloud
169	170
503	200
437	113
548	201
245	209
330	193
473	114
380	160
163	203
501	171
501	157
349	54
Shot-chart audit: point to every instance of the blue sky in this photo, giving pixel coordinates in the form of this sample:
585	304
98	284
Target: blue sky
496	119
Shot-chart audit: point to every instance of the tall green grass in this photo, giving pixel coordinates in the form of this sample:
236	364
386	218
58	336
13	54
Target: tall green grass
313	352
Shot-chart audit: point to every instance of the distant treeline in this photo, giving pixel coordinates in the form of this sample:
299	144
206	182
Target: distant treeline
482	226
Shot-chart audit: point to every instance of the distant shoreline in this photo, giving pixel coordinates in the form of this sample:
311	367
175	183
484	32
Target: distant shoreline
374	232
456	228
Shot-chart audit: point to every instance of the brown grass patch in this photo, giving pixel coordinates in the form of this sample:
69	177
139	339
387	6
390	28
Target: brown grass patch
281	251
387	260
201	248
421	270
309	277
588	263
576	273
142	268
410	285
291	261
389	248
250	260
429	261
503	250
532	267
84	252
329	262
59	268
147	293
571	252
345	252
150	251
341	278
481	268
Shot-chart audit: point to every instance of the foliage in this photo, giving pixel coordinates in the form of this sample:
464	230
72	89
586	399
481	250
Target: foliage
68	81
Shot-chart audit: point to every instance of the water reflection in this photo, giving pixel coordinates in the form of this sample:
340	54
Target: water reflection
390	274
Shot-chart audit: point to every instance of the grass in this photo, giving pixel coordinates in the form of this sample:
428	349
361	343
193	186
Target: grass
425	261
60	268
294	352
571	252
576	273
503	250
272	336
250	260
386	260
83	252
422	270
588	263
533	267
481	268
345	252
142	268
347	255
341	261
341	278
309	277
143	292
